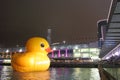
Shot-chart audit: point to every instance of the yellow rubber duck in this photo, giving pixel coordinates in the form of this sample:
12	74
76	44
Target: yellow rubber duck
35	58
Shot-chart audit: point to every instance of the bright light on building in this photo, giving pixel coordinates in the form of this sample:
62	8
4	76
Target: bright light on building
76	47
7	51
116	53
54	48
108	57
6	61
20	50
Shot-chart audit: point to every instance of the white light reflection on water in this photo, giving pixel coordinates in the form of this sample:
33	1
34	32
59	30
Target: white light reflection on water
52	74
5	72
74	74
115	72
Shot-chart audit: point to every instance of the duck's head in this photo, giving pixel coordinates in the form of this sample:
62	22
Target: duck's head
37	44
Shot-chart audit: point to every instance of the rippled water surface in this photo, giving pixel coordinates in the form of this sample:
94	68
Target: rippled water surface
7	73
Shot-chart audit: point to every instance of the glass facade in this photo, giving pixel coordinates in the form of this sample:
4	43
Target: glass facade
75	51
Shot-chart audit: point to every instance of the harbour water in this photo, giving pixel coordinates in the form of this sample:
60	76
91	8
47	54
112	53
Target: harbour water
115	72
7	73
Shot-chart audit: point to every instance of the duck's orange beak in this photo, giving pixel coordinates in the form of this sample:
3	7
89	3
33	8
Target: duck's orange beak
48	50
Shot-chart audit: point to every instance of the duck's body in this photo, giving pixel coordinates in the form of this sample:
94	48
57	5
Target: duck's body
34	59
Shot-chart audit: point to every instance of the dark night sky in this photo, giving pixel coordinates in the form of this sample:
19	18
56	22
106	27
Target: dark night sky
70	20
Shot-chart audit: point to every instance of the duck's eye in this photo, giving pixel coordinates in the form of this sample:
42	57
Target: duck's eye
42	45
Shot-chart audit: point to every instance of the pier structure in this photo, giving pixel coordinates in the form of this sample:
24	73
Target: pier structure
109	34
109	40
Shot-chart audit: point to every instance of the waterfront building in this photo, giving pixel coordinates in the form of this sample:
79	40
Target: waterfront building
90	51
84	51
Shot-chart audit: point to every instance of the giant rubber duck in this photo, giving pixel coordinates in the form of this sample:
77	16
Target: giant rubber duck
34	58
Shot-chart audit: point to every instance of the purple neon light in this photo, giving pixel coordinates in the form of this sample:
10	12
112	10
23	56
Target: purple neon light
52	54
66	53
59	55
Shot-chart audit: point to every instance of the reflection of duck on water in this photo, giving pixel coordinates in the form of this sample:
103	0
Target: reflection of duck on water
35	58
44	75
